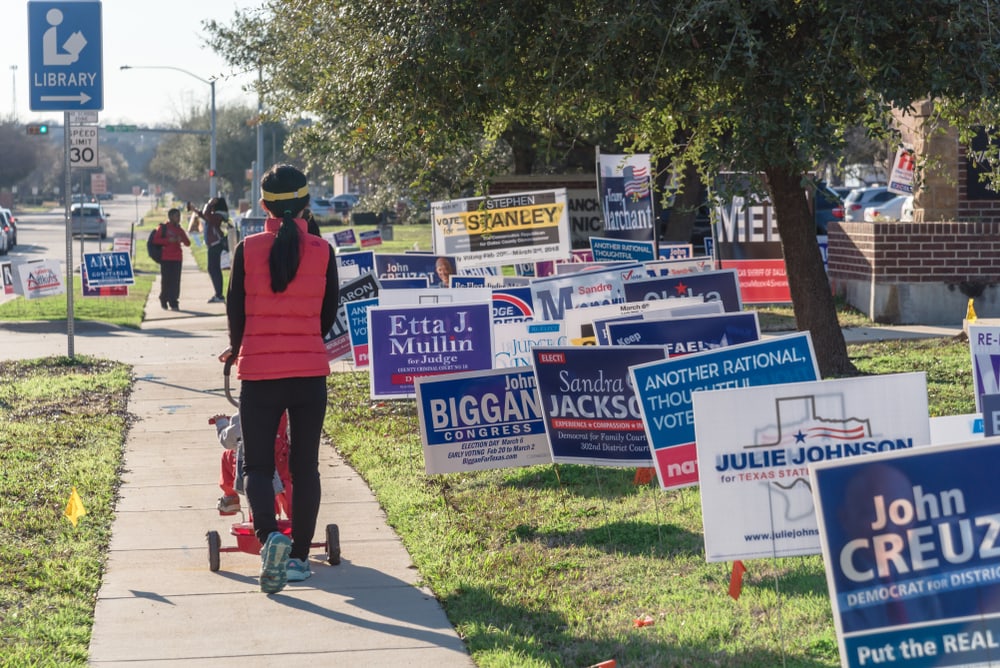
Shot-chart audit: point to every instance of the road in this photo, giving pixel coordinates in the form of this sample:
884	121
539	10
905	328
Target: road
43	235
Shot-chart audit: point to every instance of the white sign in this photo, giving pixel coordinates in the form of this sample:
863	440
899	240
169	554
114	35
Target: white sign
755	446
43	278
98	183
83	146
82	117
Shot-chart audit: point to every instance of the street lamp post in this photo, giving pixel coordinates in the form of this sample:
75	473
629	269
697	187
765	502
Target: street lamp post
212	182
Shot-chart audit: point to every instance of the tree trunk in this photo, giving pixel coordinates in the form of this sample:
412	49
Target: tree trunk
812	299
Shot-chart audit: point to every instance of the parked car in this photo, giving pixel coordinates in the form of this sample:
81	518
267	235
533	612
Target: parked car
828	207
89	218
11	222
888	211
5	233
344	203
862	198
321	208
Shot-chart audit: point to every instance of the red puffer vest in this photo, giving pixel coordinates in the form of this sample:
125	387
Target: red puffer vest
282	337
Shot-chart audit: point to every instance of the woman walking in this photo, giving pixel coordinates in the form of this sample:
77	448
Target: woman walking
215	214
283	294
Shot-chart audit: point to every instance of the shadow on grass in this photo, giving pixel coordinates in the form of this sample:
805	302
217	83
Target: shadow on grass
493	628
624	538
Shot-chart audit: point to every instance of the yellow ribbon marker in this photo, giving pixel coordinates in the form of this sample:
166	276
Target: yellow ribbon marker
74	509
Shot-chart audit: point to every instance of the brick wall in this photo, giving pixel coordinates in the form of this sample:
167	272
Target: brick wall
980	210
948	253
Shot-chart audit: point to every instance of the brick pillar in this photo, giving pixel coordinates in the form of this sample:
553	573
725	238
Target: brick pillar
937	198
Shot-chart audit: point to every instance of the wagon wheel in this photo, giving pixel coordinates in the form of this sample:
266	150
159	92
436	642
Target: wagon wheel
333	544
214	545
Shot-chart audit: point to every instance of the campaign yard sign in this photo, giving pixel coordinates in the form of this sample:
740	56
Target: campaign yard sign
552	296
412	265
421	340
984	346
512	304
357	321
665	389
695	308
513	341
338	339
505	229
591	413
108	269
345	238
672	251
912	555
40	278
755	445
689	334
622	250
678	267
356	261
580	322
480	420
719	285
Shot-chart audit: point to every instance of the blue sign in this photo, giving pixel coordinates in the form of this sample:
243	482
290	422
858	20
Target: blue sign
719	285
664	390
911	552
413	341
65	56
683	336
592	415
108	269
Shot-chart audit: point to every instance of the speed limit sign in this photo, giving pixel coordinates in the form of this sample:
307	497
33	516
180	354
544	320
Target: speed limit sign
83	146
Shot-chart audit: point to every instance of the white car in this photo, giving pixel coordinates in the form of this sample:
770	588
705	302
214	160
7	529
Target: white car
861	198
891	211
89	218
6	233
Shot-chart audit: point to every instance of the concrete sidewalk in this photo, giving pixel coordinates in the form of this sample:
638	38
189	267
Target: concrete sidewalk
159	604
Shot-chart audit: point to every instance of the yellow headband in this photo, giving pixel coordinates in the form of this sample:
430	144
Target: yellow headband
277	197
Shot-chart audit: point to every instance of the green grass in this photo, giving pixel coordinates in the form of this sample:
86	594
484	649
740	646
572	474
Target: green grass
549	566
64	427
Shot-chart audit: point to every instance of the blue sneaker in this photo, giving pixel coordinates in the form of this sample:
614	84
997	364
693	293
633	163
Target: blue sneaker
298	570
273	562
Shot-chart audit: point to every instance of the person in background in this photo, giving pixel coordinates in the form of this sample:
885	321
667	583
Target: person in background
171	236
283	296
215	213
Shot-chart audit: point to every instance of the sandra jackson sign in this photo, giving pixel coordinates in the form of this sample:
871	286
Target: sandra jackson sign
911	543
592	414
406	342
481	420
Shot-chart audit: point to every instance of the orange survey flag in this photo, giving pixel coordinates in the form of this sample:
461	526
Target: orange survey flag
74	509
736	579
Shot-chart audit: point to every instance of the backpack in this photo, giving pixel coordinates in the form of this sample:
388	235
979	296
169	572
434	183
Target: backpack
155	250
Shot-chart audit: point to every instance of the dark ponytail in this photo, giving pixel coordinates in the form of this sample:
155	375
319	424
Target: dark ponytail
285	193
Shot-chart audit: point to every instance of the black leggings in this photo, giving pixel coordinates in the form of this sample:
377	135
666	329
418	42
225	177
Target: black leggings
261	404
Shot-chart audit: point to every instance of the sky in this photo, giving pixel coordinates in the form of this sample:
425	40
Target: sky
137	33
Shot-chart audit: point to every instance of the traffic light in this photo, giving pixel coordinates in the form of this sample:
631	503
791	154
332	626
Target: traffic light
38	129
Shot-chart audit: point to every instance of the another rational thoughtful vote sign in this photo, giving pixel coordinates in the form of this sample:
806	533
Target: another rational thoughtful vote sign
591	412
665	389
984	345
480	420
410	341
912	554
755	445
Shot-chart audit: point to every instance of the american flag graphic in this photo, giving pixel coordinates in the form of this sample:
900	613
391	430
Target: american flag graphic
636	182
